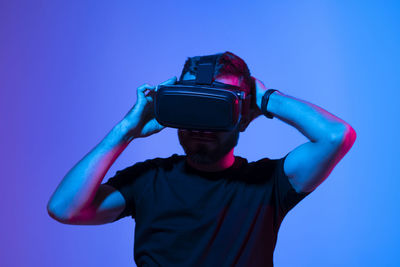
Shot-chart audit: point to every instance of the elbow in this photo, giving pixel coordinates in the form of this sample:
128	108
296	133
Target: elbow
351	134
53	213
345	134
54	216
56	213
344	140
349	138
66	216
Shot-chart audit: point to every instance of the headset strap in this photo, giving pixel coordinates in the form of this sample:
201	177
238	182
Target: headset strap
205	70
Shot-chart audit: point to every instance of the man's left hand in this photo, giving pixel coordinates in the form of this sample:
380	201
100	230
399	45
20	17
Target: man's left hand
260	90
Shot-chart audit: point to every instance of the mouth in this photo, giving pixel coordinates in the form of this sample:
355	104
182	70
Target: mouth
206	136
202	139
199	133
200	136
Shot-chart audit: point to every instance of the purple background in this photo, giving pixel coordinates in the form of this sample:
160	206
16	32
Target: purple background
69	72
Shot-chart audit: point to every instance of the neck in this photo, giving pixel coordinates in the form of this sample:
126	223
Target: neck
220	165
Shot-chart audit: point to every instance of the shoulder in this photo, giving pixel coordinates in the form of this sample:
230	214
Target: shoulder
164	163
153	164
264	164
259	171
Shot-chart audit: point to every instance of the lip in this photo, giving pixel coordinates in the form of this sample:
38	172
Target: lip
202	139
202	136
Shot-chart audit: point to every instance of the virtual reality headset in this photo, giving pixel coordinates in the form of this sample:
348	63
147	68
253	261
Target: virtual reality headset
201	104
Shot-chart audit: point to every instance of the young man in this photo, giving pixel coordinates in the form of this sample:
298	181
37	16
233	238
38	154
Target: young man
208	207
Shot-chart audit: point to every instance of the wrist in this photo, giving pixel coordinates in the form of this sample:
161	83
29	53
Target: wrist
259	96
129	128
266	98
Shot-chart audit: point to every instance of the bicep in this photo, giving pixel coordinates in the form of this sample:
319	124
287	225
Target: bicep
308	165
107	205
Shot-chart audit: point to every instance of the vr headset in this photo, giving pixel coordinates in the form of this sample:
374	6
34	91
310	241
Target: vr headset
201	104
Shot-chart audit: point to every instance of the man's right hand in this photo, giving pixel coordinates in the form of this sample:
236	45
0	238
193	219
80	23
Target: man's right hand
80	198
142	113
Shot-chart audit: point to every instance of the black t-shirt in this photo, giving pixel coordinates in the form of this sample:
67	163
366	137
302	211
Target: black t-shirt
186	217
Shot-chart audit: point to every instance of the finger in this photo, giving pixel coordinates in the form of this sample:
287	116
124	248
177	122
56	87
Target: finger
149	91
169	81
260	83
144	87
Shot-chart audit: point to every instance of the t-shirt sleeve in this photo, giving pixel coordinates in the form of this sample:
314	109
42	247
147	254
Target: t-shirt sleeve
131	183
286	195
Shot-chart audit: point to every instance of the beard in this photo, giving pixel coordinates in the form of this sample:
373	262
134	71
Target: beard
208	152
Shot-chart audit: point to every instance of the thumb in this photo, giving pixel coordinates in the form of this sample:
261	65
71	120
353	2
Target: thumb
169	81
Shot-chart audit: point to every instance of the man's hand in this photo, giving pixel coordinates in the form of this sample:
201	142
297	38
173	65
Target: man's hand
260	89
142	113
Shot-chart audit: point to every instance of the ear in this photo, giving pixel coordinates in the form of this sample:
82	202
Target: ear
248	117
244	122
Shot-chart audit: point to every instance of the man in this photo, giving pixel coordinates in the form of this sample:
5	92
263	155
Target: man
209	207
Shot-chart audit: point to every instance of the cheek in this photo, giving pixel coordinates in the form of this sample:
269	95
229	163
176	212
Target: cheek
181	134
183	138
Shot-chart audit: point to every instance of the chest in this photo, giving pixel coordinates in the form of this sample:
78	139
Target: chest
180	201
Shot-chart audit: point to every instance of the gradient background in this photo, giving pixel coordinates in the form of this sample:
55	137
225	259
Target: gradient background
69	72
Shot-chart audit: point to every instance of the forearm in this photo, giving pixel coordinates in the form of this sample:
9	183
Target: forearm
79	186
312	121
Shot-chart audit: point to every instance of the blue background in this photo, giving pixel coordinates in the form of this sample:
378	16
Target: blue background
69	72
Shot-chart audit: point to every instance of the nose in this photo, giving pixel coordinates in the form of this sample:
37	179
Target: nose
197	131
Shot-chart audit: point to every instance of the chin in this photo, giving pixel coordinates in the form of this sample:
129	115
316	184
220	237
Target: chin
200	159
